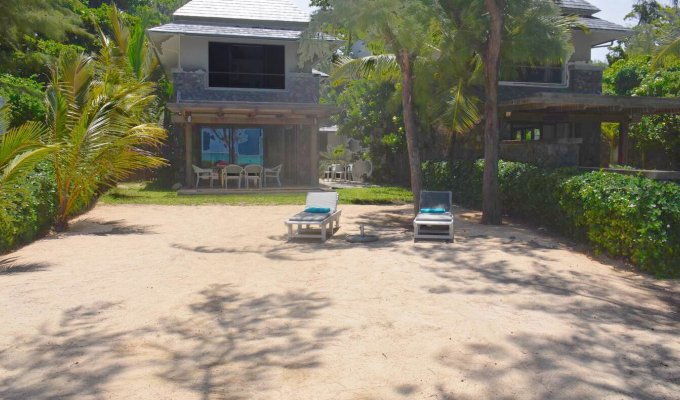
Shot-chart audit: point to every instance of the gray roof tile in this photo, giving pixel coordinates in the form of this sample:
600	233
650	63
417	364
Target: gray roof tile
231	31
600	24
258	10
580	7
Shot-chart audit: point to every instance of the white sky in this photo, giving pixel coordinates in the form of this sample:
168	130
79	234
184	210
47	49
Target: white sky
612	10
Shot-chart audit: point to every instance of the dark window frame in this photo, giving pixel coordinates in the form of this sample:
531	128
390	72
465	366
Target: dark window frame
534	74
246	66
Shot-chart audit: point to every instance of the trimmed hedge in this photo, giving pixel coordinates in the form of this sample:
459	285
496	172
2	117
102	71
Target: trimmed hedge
625	216
31	212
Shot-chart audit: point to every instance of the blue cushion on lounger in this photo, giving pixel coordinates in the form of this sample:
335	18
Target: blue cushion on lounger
432	210
318	210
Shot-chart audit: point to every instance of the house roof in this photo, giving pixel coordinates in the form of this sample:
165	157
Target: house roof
616	107
578	7
601	24
249	10
227	31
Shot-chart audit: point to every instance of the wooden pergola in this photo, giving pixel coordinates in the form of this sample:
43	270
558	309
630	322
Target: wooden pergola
593	107
250	113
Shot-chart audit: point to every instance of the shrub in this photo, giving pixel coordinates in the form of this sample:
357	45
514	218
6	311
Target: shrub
31	212
624	216
633	217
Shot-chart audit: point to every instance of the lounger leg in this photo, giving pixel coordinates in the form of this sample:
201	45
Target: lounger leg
290	232
323	232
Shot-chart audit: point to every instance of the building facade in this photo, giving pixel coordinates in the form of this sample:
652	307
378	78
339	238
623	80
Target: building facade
241	96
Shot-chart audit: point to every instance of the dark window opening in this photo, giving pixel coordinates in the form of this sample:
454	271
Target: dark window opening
526	133
553	74
247	66
533	131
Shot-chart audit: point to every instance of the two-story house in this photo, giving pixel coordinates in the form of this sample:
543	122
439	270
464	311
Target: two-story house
552	115
240	94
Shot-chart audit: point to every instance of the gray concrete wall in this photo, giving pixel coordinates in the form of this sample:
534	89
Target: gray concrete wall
547	154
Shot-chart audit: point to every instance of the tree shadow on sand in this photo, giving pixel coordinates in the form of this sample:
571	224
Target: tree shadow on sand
232	345
11	266
622	337
71	361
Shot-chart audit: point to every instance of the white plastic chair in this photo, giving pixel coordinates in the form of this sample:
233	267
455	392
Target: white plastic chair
253	173
273	173
205	174
232	172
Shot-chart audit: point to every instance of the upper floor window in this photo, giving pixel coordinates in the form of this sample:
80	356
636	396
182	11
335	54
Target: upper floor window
550	74
247	66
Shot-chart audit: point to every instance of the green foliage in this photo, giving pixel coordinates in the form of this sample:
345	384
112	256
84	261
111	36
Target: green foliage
25	98
28	210
625	216
634	76
625	75
98	114
142	193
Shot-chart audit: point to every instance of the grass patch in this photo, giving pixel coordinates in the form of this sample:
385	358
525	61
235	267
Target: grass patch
142	193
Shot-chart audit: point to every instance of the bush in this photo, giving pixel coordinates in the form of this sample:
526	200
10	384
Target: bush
624	216
31	212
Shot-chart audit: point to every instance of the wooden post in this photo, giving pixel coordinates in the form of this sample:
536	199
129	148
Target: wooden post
188	154
314	153
623	143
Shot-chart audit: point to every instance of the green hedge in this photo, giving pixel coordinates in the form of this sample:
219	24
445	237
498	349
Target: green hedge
624	216
31	212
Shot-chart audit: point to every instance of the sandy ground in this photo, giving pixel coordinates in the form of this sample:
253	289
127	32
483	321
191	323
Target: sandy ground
152	302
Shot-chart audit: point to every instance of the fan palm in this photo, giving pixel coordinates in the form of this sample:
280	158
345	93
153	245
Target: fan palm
98	122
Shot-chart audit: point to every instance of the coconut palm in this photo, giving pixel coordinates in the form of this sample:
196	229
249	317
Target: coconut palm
99	123
403	28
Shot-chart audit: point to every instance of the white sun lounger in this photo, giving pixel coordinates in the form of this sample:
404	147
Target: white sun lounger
314	225
430	226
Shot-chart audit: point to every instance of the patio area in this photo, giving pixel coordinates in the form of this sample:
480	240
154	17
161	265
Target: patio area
211	302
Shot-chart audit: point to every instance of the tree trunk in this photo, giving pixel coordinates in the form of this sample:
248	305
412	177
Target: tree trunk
491	203
406	65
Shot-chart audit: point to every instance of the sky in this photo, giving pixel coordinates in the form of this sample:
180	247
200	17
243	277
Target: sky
612	10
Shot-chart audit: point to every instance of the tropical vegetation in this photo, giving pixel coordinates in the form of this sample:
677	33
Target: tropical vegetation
92	122
436	54
624	216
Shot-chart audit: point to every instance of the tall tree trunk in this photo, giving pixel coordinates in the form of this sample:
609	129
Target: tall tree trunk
491	203
406	65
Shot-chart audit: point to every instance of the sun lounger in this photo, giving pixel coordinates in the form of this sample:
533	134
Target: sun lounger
320	216
435	219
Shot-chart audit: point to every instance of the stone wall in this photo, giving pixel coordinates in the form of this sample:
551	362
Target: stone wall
546	154
193	87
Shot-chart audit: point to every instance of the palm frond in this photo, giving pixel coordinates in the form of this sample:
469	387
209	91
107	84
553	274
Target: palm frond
383	66
667	52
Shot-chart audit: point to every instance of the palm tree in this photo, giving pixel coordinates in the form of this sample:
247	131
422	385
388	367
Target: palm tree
492	32
402	27
98	122
21	149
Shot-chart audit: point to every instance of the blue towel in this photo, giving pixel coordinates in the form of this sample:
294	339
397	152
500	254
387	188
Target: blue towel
318	210
432	210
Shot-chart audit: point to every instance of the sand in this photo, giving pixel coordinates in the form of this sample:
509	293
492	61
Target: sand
211	302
